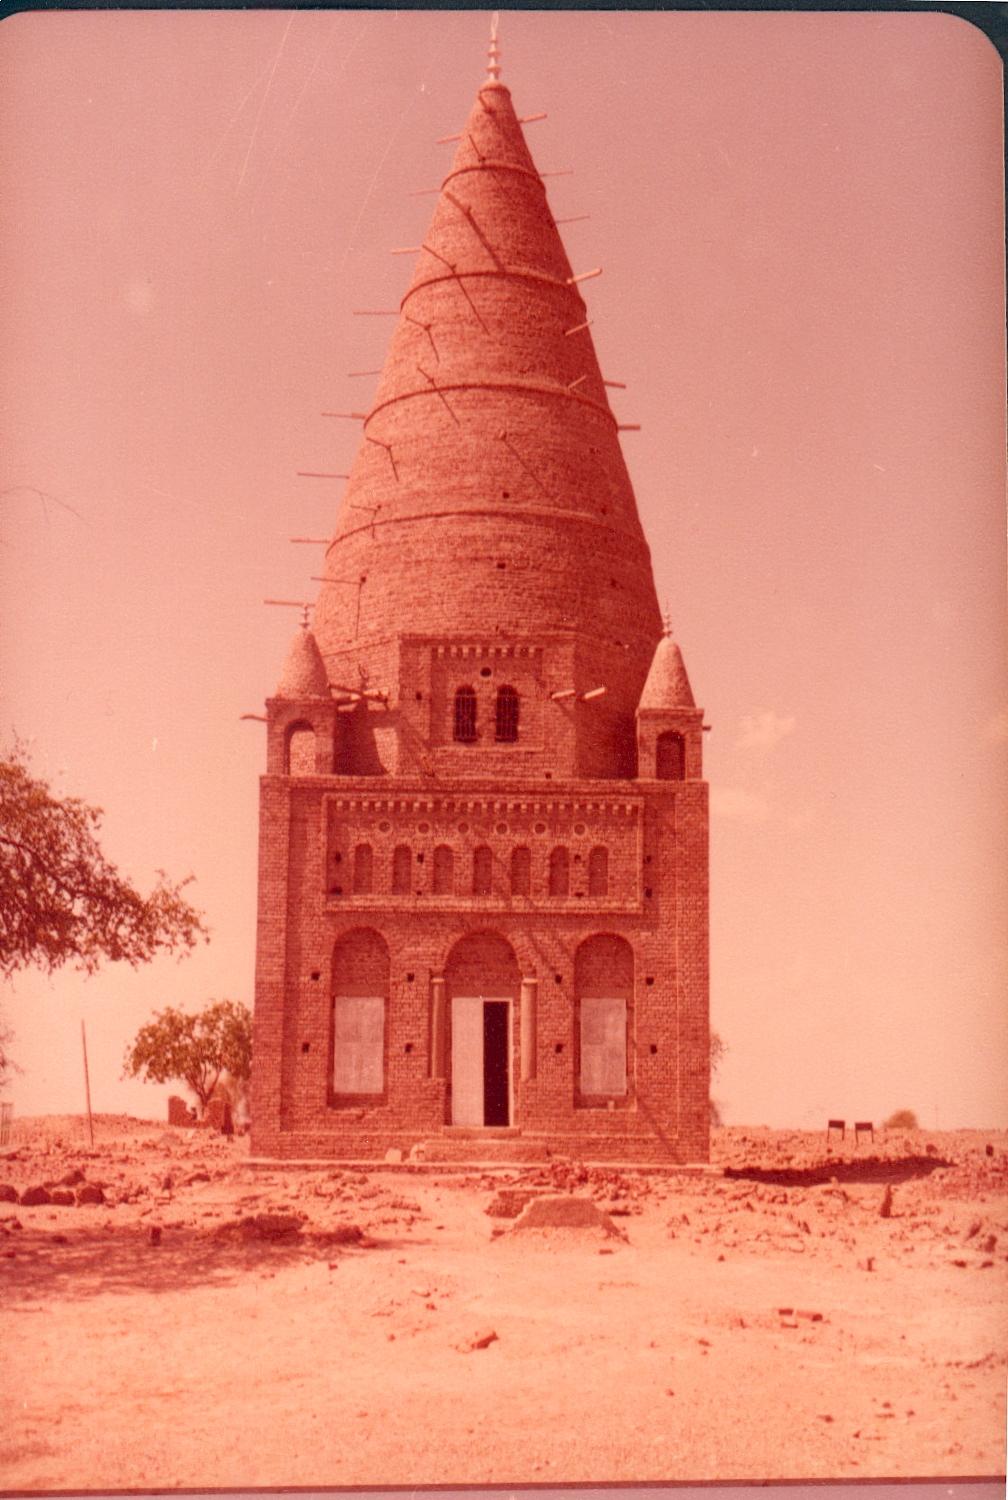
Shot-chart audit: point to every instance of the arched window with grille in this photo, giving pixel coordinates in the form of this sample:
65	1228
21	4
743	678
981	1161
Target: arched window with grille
598	872
402	869
464	731
363	870
559	873
521	871
670	756
507	715
482	871
444	871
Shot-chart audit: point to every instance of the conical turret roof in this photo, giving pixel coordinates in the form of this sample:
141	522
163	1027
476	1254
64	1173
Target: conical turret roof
489	494
667	684
304	673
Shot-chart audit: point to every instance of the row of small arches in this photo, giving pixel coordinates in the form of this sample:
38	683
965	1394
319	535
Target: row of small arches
299	750
505	716
559	873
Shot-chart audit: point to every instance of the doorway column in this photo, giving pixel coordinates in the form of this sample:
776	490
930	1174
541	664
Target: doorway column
529	1006
438	1011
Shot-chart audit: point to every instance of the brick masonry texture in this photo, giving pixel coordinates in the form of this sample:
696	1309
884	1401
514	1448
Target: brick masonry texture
488	539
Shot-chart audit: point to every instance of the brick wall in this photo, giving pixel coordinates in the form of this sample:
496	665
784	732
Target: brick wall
656	834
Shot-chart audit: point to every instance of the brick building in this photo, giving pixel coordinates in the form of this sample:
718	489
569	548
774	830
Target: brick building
483	824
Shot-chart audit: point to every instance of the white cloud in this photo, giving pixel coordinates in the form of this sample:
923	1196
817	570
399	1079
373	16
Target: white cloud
996	729
736	803
764	731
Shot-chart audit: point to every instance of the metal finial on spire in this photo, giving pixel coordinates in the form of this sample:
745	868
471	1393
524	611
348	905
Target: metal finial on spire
667	619
493	52
300	604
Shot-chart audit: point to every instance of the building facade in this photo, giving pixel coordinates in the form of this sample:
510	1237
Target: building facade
483	823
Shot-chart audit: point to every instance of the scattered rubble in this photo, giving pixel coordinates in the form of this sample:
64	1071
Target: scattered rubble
481	1340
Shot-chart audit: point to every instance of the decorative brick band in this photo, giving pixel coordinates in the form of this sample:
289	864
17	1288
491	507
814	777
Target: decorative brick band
485	805
525	387
493	166
513	512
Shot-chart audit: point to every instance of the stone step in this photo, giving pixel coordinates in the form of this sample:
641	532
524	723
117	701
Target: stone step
482	1146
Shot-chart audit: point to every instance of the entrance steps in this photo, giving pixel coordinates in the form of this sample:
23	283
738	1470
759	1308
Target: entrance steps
487	1143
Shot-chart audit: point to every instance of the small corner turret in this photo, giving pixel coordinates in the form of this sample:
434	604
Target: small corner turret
304	673
301	716
669	724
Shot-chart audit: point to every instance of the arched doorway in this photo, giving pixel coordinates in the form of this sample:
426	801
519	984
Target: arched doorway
482	980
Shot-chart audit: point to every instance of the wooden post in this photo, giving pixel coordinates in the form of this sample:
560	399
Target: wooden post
87	1085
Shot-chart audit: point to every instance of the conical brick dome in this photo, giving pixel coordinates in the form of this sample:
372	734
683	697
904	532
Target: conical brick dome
303	675
667	684
489	496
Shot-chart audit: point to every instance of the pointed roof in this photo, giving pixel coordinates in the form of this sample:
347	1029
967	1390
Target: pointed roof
304	673
490	467
667	684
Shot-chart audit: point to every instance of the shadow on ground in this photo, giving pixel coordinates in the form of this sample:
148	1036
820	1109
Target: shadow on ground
93	1261
871	1169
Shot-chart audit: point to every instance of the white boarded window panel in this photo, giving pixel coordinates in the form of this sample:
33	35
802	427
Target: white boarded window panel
358	1044
603	1046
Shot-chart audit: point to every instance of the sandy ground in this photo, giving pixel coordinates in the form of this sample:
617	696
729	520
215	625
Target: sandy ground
767	1325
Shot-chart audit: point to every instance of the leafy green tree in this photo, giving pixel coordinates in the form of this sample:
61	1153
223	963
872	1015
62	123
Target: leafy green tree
198	1050
61	901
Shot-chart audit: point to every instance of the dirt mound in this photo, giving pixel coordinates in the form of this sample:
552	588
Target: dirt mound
567	1212
339	1234
508	1202
264	1227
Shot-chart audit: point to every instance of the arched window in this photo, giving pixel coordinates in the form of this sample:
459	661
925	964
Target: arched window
402	869
521	871
363	870
598	872
444	871
559	873
299	751
507	715
465	715
360	985
670	756
482	871
603	990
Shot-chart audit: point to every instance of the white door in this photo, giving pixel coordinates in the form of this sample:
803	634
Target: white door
467	1060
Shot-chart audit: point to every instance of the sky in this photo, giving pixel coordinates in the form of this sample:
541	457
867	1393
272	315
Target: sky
800	222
